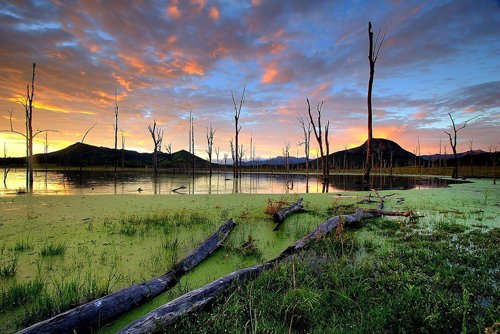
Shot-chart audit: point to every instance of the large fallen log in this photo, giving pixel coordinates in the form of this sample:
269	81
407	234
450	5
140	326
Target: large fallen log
280	216
91	316
171	311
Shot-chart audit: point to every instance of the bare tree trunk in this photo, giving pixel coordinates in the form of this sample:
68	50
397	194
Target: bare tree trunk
368	163
453	142
237	127
116	134
210	144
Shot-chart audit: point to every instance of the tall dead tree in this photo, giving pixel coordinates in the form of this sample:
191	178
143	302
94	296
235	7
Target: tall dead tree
319	137
116	133
191	141
305	125
373	53
286	156
87	132
123	147
237	127
157	136
453	142
233	156
210	144
6	169
29	135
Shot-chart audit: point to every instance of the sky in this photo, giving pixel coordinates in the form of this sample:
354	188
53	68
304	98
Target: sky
165	58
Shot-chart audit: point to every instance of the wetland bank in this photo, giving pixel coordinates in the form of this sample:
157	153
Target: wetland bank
60	251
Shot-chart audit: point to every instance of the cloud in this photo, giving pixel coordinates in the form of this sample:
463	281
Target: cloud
164	59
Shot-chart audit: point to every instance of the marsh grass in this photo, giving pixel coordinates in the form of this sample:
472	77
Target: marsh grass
20	294
8	267
23	245
425	282
52	249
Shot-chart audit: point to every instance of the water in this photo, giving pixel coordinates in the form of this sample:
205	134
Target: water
90	183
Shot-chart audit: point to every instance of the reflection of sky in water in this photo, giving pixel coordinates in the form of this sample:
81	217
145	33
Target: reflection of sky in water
88	183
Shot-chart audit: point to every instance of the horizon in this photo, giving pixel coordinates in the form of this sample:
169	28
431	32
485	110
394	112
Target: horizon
438	57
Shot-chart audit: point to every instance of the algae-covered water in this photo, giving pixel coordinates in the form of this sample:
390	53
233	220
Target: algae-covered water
105	183
112	241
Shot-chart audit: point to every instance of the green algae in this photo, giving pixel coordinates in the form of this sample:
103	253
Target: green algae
124	239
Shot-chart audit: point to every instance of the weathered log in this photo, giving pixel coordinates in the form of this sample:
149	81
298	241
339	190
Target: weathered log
280	216
91	316
171	311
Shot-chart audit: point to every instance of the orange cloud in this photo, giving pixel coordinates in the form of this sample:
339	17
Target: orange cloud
124	83
192	67
200	3
174	12
214	13
470	109
270	74
256	2
49	107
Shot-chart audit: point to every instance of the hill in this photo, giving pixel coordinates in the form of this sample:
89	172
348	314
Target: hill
84	155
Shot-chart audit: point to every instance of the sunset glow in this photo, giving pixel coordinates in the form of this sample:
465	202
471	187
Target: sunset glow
167	59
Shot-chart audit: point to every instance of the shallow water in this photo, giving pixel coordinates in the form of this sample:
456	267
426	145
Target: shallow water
88	183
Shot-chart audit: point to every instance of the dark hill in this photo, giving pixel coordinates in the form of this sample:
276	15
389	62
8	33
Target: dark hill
84	155
382	151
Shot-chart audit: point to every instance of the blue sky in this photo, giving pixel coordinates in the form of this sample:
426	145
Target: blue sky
165	58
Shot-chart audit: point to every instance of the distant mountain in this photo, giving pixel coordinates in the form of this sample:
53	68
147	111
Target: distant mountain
436	157
276	161
382	150
84	155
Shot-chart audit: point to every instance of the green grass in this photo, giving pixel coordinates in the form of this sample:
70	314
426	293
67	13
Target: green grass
20	293
52	249
8	267
426	283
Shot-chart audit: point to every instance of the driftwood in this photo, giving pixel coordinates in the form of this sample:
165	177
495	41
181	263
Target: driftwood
280	216
170	312
91	316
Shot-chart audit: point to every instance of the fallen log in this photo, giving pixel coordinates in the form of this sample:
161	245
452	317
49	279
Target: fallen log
193	300
280	216
91	316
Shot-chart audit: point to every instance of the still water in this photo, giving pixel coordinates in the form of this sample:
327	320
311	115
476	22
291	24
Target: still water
89	183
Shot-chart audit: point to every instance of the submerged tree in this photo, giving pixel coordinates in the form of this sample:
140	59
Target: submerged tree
30	134
325	168
210	144
453	142
305	125
237	127
373	53
116	133
157	136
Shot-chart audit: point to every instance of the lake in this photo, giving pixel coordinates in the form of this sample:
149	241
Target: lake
90	183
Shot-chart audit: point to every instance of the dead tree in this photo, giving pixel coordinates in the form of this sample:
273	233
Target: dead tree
373	53
210	144
6	169
123	148
116	133
87	132
90	317
217	152
237	127
241	154
29	135
286	156
233	156
157	136
225	162
305	125
319	137
453	142
493	157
